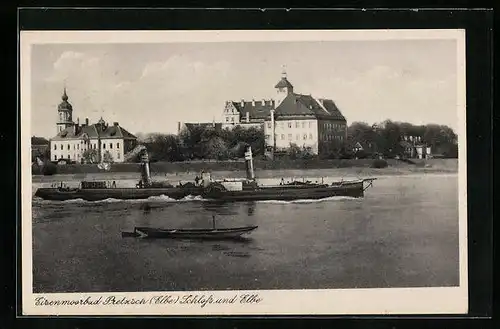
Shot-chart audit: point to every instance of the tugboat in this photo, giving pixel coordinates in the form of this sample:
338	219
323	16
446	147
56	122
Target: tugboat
225	190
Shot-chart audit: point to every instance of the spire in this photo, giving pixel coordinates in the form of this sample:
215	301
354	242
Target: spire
64	96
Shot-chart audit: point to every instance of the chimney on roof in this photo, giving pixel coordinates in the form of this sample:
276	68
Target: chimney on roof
86	121
178	127
263	102
115	123
253	102
242	102
247	114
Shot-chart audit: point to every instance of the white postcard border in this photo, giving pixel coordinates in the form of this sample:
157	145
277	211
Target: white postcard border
439	300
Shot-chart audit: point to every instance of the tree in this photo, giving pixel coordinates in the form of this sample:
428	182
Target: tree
90	156
164	148
107	157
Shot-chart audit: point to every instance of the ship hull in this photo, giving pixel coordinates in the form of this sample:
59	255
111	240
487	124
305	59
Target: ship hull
285	193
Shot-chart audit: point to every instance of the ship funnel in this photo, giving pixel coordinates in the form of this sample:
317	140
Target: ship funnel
249	164
145	173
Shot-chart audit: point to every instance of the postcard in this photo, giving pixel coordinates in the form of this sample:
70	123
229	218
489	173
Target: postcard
249	172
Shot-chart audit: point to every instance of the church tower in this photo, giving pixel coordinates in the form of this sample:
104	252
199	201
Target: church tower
283	88
65	113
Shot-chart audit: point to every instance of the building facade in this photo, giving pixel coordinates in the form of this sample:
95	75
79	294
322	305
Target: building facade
111	142
291	118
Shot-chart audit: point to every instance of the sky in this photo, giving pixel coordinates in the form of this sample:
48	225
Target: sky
151	87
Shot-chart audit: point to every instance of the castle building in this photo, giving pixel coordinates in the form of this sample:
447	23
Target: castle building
292	118
73	139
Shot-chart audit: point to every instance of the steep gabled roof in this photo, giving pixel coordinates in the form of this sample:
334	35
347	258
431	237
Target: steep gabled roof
94	131
257	111
298	104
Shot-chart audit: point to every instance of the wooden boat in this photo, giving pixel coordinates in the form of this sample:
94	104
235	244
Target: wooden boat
212	234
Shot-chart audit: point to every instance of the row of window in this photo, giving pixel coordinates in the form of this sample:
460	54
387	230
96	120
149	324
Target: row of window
78	156
333	137
290	136
290	125
329	125
227	119
77	146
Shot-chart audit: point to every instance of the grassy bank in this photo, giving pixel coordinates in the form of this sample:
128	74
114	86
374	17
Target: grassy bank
431	165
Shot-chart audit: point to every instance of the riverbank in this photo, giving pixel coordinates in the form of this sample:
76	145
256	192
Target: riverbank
350	165
432	167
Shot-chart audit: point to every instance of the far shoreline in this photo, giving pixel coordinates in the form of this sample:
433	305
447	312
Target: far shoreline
187	172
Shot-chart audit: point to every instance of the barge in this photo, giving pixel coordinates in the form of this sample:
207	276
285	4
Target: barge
226	190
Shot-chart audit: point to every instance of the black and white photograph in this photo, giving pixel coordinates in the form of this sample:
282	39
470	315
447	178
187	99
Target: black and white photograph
243	172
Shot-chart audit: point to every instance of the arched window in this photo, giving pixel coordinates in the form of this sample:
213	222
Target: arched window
61	147
117	145
110	145
69	147
55	146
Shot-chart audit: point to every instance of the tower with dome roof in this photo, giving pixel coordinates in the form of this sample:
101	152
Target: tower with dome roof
65	113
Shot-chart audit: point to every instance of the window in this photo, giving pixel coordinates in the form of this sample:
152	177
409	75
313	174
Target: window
61	147
267	136
55	147
117	145
269	125
282	136
118	155
310	124
303	124
104	145
110	145
78	156
232	119
305	136
297	137
289	125
69	147
69	157
78	146
94	146
310	136
227	119
74	147
297	125
55	157
290	136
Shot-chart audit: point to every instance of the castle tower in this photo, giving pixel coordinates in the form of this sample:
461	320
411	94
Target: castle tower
283	88
65	113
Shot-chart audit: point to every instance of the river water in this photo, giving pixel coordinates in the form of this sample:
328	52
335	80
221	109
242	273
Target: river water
403	233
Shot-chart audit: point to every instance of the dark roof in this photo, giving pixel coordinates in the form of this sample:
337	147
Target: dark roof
190	126
94	131
298	104
283	83
257	111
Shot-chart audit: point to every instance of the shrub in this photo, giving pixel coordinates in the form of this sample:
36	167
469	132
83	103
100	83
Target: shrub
49	169
379	163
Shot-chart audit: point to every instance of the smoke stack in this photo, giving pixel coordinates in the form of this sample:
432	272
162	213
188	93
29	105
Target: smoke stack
249	164
273	139
86	121
178	127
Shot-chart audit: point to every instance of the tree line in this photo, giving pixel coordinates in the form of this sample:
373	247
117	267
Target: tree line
205	142
202	143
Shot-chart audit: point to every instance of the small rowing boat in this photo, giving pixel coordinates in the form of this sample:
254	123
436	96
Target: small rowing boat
216	233
190	233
